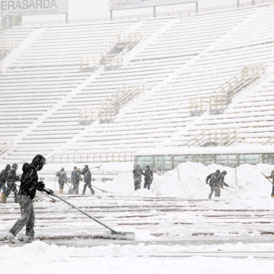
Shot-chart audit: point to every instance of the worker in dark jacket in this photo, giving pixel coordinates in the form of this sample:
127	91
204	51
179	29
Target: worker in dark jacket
11	183
75	180
212	179
221	179
3	179
27	192
137	177
271	176
62	179
87	180
148	177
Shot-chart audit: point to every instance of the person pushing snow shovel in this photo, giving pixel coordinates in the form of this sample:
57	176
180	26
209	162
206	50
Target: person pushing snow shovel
27	192
216	182
268	178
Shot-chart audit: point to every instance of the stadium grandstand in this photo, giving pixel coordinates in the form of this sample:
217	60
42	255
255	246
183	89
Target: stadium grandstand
100	91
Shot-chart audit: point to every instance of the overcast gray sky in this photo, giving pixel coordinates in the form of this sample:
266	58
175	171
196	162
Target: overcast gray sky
100	8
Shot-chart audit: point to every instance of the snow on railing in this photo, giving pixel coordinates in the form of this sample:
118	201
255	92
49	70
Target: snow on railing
108	110
214	137
92	157
5	147
5	48
112	56
217	103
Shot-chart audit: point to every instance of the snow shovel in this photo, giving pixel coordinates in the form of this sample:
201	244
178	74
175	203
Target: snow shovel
272	193
115	235
104	191
267	178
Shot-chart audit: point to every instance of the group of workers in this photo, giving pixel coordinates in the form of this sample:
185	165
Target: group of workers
8	180
30	184
137	177
75	180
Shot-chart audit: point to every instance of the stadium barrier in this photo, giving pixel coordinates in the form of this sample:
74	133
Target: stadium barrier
178	13
214	137
217	103
92	157
110	107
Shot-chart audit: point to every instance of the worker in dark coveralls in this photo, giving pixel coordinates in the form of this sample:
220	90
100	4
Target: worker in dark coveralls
75	180
271	176
11	183
27	192
3	179
148	177
87	180
62	179
137	177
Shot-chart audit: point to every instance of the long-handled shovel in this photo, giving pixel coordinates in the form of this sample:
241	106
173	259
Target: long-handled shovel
113	233
266	178
272	194
100	189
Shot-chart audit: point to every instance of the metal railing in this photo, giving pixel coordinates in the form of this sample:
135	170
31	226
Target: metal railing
90	63
214	137
269	141
117	100
110	107
223	95
179	13
6	47
92	157
5	147
113	55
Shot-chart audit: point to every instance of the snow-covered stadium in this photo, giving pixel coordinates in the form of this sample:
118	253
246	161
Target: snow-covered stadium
185	92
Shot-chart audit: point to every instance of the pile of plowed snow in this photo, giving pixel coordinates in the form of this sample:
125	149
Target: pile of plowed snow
188	181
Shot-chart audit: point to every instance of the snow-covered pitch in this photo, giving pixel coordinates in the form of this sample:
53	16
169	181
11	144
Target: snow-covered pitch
178	230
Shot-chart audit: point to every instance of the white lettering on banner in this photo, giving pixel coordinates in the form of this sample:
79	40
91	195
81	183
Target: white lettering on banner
131	4
32	7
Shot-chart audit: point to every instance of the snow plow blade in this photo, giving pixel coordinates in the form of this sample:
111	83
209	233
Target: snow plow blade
128	236
112	234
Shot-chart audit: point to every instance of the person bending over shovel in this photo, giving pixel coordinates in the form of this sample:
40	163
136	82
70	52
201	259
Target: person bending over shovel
271	177
27	192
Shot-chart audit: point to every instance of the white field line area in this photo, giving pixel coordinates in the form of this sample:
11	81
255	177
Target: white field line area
165	222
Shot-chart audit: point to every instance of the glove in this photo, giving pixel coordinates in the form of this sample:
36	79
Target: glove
48	191
40	186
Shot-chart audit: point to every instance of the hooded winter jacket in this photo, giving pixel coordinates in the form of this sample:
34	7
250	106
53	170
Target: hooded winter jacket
29	179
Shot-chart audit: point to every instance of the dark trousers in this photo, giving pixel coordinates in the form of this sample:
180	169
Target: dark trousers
137	184
87	184
76	188
11	187
215	189
147	183
27	217
2	187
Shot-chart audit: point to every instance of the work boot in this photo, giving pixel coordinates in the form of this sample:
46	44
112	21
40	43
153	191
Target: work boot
3	198
11	238
28	239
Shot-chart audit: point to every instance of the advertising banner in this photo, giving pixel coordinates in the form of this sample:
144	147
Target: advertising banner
133	4
33	7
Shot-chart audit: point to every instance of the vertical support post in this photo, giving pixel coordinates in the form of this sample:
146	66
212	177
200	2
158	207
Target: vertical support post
111	15
253	2
236	179
196	7
238	3
154	11
67	18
